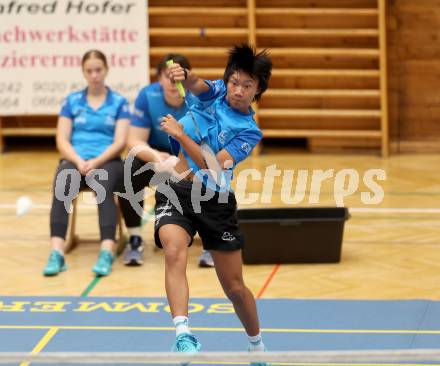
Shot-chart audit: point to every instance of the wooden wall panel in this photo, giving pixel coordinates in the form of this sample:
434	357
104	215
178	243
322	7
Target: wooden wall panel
414	73
413	36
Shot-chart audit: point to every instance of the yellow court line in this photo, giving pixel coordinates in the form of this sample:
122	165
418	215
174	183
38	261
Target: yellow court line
266	330
42	343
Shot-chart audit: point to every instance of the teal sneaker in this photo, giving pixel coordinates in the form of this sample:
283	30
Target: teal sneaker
186	343
55	264
103	265
259	363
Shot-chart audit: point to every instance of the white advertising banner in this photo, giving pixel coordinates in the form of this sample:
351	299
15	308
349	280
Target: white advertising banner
42	43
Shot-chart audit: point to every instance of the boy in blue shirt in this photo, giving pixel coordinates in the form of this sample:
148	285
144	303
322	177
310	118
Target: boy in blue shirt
152	103
226	121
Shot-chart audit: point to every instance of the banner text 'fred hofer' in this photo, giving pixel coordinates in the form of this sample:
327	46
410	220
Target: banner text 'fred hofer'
106	306
84	7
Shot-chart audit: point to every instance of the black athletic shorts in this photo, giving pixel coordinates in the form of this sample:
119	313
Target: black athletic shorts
215	222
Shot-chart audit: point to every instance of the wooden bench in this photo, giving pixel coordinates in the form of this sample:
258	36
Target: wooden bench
72	238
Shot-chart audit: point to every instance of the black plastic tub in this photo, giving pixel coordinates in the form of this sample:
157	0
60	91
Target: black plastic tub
292	235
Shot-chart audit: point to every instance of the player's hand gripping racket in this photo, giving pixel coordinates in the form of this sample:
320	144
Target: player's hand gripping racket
207	153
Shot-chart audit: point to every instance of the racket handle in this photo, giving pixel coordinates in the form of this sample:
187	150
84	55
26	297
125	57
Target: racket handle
179	84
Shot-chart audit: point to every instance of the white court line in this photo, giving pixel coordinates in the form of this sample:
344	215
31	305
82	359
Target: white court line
394	210
9	206
377	210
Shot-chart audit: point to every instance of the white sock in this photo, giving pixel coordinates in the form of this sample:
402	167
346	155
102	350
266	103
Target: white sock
182	324
256	343
60	251
132	231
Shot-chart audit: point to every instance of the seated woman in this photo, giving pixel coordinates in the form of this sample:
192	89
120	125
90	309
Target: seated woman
91	134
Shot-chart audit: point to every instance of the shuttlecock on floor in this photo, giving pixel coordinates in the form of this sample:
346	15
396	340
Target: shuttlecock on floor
23	205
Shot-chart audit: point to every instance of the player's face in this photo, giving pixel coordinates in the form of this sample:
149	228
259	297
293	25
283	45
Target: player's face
169	87
241	90
95	72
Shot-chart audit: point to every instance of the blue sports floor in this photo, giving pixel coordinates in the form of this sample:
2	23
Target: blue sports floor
87	324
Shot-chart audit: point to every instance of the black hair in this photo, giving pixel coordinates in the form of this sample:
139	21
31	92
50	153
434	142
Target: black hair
258	65
94	54
177	58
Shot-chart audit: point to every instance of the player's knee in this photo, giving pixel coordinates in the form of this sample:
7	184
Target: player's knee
235	291
174	254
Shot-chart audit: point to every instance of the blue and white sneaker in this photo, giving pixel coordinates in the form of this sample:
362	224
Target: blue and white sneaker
186	343
259	363
55	264
103	265
206	260
134	251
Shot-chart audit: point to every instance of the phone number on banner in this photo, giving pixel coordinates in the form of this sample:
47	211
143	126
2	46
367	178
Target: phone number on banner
9	95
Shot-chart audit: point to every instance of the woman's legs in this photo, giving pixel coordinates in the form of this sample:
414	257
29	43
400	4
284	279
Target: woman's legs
107	210
137	182
67	183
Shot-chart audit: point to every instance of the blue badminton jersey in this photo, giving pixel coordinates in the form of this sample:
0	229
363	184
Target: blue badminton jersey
149	108
93	131
220	125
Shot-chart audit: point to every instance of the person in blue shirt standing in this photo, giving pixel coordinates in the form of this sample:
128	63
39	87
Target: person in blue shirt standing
226	121
91	134
152	103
